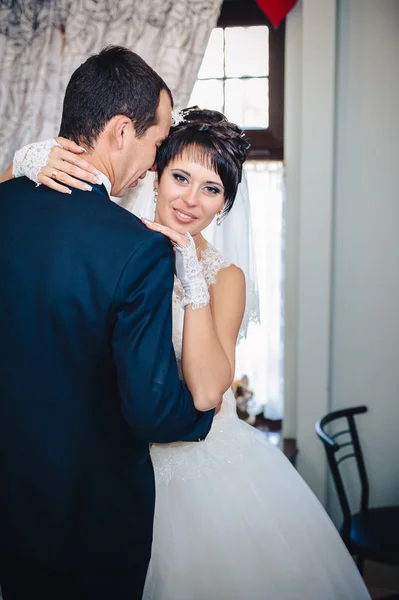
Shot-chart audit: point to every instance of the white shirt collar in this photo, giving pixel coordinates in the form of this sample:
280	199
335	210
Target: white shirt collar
106	182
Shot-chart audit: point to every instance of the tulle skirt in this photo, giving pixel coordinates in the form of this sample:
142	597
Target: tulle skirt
235	521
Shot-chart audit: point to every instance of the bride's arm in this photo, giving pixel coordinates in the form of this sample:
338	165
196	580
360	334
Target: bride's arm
209	339
211	322
64	167
7	174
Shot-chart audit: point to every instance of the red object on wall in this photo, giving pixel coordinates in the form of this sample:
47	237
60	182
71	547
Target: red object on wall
276	10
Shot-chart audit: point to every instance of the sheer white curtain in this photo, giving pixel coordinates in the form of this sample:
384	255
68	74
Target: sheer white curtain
42	43
260	356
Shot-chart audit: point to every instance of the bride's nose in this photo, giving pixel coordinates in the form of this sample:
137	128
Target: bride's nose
191	197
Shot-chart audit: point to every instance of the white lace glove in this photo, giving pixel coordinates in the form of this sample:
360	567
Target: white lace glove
31	159
189	271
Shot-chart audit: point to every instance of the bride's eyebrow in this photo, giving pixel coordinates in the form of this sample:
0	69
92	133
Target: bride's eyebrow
215	183
182	171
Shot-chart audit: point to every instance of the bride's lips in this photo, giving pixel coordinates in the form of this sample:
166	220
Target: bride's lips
134	183
183	217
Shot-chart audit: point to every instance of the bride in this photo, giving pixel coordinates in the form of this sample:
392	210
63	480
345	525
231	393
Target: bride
233	518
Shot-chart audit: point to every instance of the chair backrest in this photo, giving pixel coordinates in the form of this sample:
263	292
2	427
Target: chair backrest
333	448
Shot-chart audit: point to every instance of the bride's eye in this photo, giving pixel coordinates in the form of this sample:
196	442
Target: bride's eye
180	178
212	190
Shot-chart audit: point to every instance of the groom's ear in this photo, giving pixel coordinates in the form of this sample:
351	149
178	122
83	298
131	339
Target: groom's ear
121	130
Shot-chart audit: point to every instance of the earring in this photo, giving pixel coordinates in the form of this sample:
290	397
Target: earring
155	195
218	219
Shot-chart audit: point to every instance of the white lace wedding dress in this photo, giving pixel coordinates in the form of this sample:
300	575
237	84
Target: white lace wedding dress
234	520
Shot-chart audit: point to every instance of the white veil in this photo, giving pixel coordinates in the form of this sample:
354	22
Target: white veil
233	238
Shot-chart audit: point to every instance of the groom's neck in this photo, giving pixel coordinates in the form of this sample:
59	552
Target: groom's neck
101	163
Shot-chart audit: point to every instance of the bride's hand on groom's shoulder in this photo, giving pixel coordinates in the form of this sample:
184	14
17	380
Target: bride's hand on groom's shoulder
66	168
180	240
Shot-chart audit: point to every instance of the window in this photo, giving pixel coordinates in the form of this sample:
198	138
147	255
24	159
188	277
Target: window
234	75
242	75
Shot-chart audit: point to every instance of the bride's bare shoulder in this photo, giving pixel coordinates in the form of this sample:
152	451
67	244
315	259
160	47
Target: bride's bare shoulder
229	291
228	303
230	278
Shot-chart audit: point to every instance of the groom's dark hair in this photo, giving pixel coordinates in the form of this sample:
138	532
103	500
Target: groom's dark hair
114	82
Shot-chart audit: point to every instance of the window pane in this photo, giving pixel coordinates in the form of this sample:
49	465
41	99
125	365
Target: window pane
247	102
207	94
247	51
212	63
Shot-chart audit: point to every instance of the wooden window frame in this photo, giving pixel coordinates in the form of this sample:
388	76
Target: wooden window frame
265	143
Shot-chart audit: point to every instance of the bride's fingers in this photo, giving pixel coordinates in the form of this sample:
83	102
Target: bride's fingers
57	153
73	170
50	173
70	145
176	238
51	183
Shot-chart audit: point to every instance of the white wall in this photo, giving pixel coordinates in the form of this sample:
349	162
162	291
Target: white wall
292	115
365	301
357	357
309	146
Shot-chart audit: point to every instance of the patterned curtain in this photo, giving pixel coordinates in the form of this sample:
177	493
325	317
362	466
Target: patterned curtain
42	42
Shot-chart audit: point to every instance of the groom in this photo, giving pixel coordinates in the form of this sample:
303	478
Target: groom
88	375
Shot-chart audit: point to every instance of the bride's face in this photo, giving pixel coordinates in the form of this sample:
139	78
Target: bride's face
189	196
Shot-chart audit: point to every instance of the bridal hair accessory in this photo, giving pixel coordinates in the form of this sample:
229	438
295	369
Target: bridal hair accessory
177	117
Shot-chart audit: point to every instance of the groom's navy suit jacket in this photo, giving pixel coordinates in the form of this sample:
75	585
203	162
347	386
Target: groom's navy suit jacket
88	378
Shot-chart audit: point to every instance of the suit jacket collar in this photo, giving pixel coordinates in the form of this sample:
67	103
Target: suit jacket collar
100	189
104	188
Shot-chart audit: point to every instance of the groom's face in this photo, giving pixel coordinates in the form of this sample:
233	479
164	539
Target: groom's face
138	154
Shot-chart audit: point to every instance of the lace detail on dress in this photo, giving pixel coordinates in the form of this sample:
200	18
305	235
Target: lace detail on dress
30	159
212	262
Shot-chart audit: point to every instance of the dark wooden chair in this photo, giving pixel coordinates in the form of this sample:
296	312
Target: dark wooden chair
370	533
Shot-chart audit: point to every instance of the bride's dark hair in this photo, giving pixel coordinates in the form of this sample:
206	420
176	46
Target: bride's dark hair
210	139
